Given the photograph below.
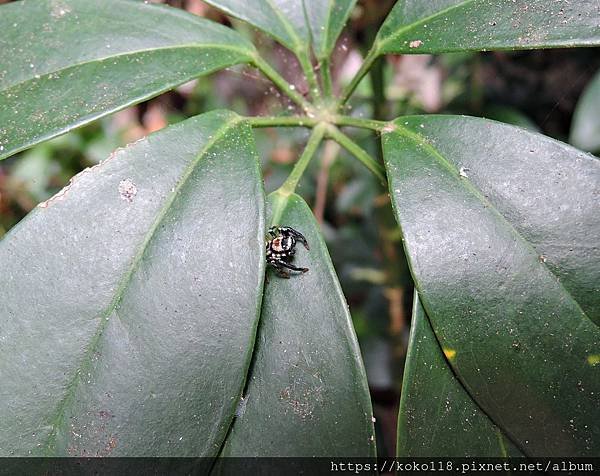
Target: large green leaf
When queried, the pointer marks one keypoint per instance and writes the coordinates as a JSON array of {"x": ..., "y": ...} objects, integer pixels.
[
  {"x": 585, "y": 130},
  {"x": 307, "y": 391},
  {"x": 294, "y": 23},
  {"x": 502, "y": 230},
  {"x": 64, "y": 63},
  {"x": 437, "y": 417},
  {"x": 130, "y": 299},
  {"x": 415, "y": 26}
]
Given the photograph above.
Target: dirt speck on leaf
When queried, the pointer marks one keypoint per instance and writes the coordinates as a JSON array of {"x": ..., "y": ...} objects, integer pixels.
[
  {"x": 127, "y": 190},
  {"x": 59, "y": 9},
  {"x": 111, "y": 444},
  {"x": 391, "y": 127},
  {"x": 302, "y": 400}
]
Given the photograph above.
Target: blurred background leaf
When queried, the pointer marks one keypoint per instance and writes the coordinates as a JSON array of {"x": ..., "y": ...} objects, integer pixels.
[
  {"x": 535, "y": 88},
  {"x": 585, "y": 131}
]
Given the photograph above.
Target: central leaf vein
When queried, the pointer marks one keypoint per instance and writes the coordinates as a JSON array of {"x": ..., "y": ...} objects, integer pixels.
[{"x": 104, "y": 316}]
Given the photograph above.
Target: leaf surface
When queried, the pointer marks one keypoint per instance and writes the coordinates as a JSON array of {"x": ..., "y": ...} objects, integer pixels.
[
  {"x": 326, "y": 20},
  {"x": 307, "y": 392},
  {"x": 432, "y": 393},
  {"x": 415, "y": 26},
  {"x": 64, "y": 63},
  {"x": 294, "y": 23},
  {"x": 585, "y": 130},
  {"x": 502, "y": 231},
  {"x": 130, "y": 299}
]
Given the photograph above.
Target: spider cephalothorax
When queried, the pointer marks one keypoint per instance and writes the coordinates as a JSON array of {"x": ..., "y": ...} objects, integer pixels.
[{"x": 281, "y": 248}]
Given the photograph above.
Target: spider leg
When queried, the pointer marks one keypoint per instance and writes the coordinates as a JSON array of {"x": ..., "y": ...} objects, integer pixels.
[
  {"x": 279, "y": 270},
  {"x": 292, "y": 267},
  {"x": 300, "y": 237}
]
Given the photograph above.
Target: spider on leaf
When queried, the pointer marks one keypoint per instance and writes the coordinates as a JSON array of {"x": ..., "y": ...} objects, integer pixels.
[{"x": 281, "y": 248}]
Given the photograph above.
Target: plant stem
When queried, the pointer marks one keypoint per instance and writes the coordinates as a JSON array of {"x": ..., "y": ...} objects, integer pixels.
[
  {"x": 364, "y": 69},
  {"x": 282, "y": 121},
  {"x": 289, "y": 186},
  {"x": 361, "y": 123},
  {"x": 378, "y": 87},
  {"x": 330, "y": 153},
  {"x": 281, "y": 83},
  {"x": 326, "y": 76},
  {"x": 309, "y": 122},
  {"x": 309, "y": 72},
  {"x": 277, "y": 208},
  {"x": 358, "y": 152}
]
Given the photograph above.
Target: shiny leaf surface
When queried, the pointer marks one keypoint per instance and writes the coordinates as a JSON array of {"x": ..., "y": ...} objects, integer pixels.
[
  {"x": 432, "y": 393},
  {"x": 130, "y": 299},
  {"x": 415, "y": 26},
  {"x": 502, "y": 231},
  {"x": 65, "y": 63},
  {"x": 307, "y": 391}
]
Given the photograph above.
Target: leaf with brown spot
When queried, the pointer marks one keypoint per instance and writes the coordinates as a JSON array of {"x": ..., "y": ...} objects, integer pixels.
[
  {"x": 115, "y": 322},
  {"x": 417, "y": 26}
]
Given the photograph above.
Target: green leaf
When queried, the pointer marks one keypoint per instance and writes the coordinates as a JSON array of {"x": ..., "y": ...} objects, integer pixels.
[
  {"x": 502, "y": 231},
  {"x": 326, "y": 20},
  {"x": 415, "y": 26},
  {"x": 65, "y": 63},
  {"x": 294, "y": 23},
  {"x": 585, "y": 130},
  {"x": 307, "y": 392},
  {"x": 130, "y": 300},
  {"x": 282, "y": 19},
  {"x": 437, "y": 417}
]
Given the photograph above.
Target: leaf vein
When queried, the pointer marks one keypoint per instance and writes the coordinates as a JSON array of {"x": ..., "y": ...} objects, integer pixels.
[
  {"x": 18, "y": 84},
  {"x": 479, "y": 195},
  {"x": 72, "y": 385}
]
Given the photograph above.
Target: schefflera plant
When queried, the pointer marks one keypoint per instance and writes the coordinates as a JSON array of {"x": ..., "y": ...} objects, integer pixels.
[{"x": 135, "y": 318}]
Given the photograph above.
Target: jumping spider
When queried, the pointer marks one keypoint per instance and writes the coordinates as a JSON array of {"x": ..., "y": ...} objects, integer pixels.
[{"x": 281, "y": 248}]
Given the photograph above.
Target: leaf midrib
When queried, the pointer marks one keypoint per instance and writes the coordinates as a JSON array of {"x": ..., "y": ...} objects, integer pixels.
[
  {"x": 414, "y": 136},
  {"x": 123, "y": 285},
  {"x": 287, "y": 26},
  {"x": 419, "y": 307},
  {"x": 243, "y": 52},
  {"x": 310, "y": 47},
  {"x": 501, "y": 431}
]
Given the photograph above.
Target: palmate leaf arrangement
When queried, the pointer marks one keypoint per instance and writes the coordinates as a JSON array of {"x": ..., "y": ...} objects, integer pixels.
[{"x": 135, "y": 319}]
